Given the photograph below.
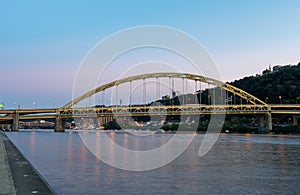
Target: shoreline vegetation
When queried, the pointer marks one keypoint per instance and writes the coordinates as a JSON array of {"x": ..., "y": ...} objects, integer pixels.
[{"x": 241, "y": 129}]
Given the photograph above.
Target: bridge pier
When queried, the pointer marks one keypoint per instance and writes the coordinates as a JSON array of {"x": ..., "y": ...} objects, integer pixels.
[
  {"x": 269, "y": 122},
  {"x": 102, "y": 120},
  {"x": 265, "y": 124},
  {"x": 59, "y": 125},
  {"x": 261, "y": 123},
  {"x": 295, "y": 120},
  {"x": 15, "y": 123}
]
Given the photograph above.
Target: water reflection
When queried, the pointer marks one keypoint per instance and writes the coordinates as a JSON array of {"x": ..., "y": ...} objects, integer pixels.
[
  {"x": 70, "y": 147},
  {"x": 32, "y": 143},
  {"x": 82, "y": 153},
  {"x": 125, "y": 144},
  {"x": 237, "y": 164}
]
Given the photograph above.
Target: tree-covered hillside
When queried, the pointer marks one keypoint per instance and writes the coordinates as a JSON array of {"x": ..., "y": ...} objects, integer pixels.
[{"x": 278, "y": 87}]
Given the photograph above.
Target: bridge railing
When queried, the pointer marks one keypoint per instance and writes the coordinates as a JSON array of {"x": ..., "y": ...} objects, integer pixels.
[{"x": 163, "y": 110}]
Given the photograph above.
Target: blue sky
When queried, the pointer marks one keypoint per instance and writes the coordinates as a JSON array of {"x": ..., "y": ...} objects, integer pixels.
[{"x": 42, "y": 43}]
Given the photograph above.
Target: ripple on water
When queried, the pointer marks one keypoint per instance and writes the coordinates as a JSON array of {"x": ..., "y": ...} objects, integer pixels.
[{"x": 237, "y": 164}]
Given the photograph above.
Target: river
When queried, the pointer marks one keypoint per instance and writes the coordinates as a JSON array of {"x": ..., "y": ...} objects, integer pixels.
[{"x": 237, "y": 164}]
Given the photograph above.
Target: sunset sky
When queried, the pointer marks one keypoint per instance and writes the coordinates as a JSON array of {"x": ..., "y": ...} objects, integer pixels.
[{"x": 42, "y": 43}]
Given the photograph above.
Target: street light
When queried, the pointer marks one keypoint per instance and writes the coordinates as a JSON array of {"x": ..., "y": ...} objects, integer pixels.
[
  {"x": 266, "y": 99},
  {"x": 297, "y": 98},
  {"x": 280, "y": 98},
  {"x": 33, "y": 103}
]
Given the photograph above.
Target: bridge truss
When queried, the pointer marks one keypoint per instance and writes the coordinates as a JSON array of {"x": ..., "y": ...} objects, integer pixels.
[
  {"x": 249, "y": 105},
  {"x": 184, "y": 76}
]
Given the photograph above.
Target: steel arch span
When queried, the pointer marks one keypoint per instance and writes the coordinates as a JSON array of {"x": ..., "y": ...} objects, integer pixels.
[{"x": 236, "y": 91}]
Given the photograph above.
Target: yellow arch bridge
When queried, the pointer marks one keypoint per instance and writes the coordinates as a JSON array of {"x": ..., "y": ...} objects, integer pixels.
[{"x": 219, "y": 100}]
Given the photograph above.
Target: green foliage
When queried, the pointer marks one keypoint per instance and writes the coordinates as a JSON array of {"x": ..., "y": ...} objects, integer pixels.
[
  {"x": 112, "y": 125},
  {"x": 284, "y": 83},
  {"x": 287, "y": 130},
  {"x": 172, "y": 127}
]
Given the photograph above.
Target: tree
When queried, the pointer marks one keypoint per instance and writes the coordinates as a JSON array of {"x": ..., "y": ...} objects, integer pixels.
[
  {"x": 284, "y": 83},
  {"x": 112, "y": 125}
]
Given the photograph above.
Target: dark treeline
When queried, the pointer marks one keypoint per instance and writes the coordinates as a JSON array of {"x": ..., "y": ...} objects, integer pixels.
[
  {"x": 274, "y": 88},
  {"x": 280, "y": 87}
]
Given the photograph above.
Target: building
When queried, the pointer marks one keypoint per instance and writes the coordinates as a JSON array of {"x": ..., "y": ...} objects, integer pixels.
[
  {"x": 280, "y": 67},
  {"x": 267, "y": 71},
  {"x": 276, "y": 68}
]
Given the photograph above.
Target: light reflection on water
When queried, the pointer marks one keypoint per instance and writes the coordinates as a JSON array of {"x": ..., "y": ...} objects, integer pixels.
[{"x": 237, "y": 164}]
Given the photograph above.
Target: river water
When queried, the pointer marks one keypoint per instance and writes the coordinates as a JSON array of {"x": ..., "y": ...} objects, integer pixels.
[{"x": 237, "y": 164}]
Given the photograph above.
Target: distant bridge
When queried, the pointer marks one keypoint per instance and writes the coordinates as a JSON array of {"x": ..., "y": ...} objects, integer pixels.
[{"x": 217, "y": 103}]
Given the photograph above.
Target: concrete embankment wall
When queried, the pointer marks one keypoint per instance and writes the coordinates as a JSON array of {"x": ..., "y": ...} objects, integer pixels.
[{"x": 20, "y": 177}]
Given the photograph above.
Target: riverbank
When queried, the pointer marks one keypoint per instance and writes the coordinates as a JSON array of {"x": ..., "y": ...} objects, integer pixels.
[{"x": 17, "y": 175}]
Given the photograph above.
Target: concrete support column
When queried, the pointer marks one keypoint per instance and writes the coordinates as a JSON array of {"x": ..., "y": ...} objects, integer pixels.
[
  {"x": 295, "y": 120},
  {"x": 261, "y": 123},
  {"x": 101, "y": 121},
  {"x": 59, "y": 125},
  {"x": 15, "y": 124},
  {"x": 269, "y": 122}
]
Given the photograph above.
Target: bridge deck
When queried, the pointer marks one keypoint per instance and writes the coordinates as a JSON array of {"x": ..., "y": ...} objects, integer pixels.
[{"x": 142, "y": 110}]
